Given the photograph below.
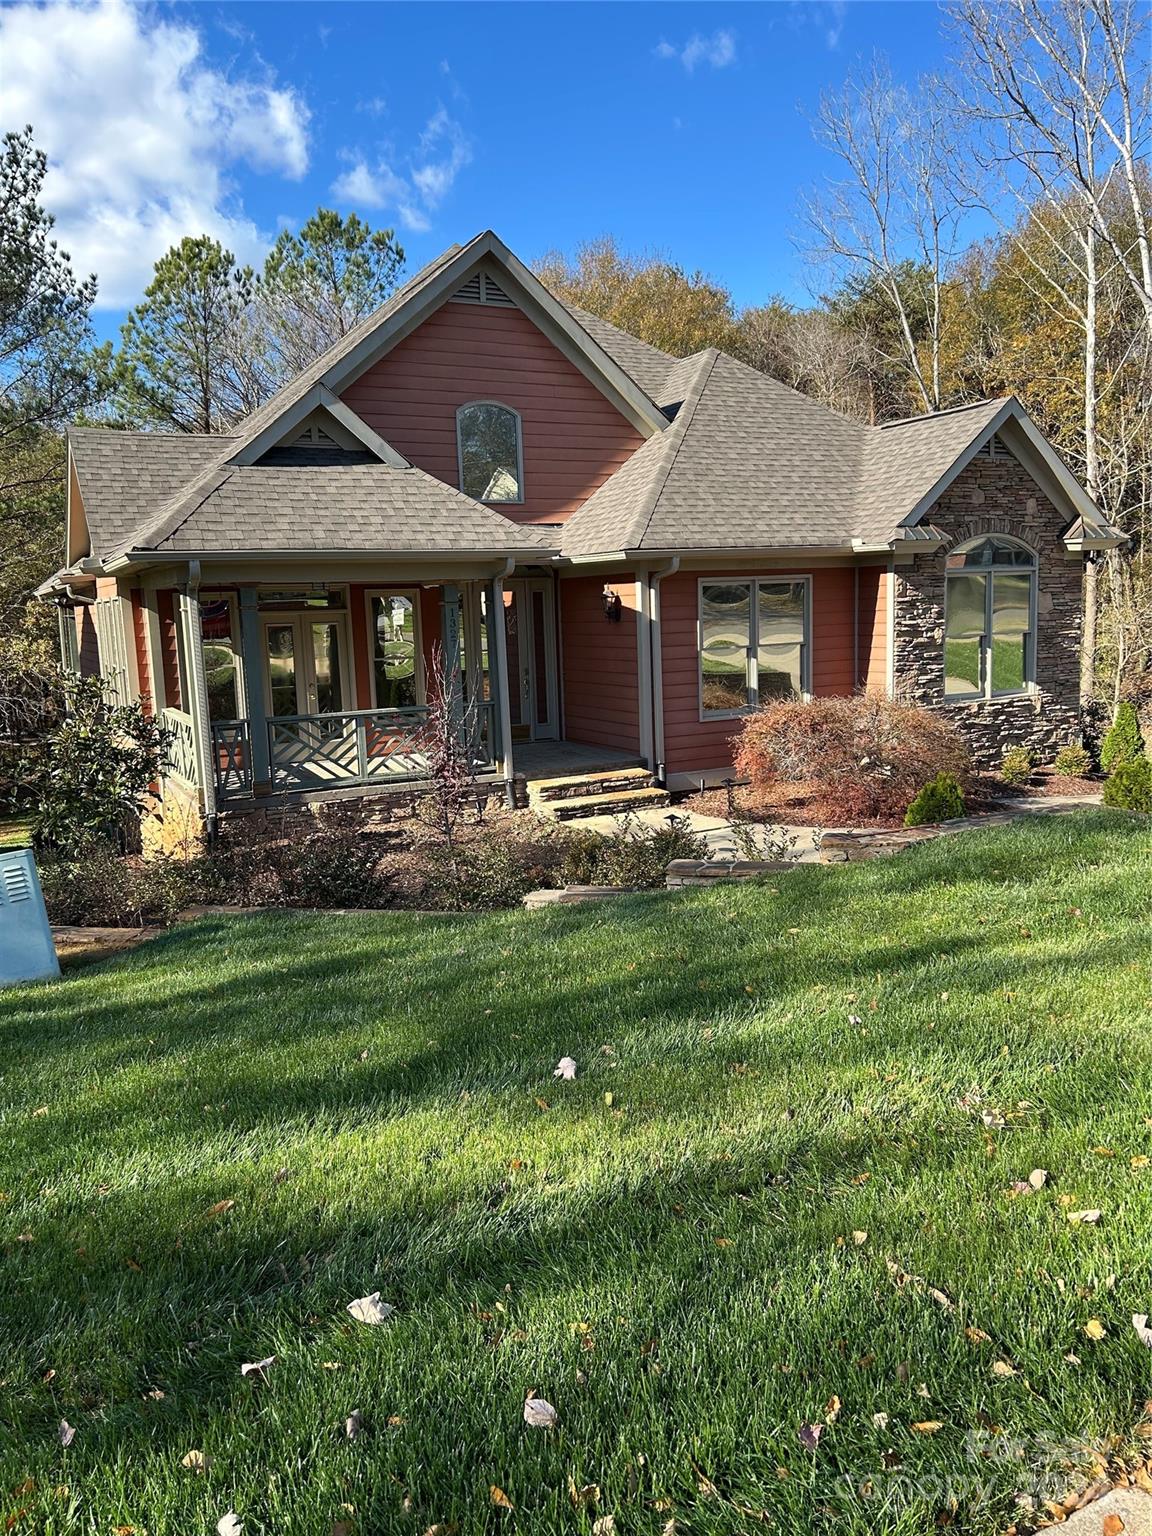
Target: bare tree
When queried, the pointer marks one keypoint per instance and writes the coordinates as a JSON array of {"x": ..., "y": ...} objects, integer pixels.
[
  {"x": 895, "y": 217},
  {"x": 1065, "y": 87},
  {"x": 809, "y": 350}
]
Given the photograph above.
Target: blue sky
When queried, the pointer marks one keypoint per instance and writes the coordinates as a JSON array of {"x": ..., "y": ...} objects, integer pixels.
[{"x": 683, "y": 128}]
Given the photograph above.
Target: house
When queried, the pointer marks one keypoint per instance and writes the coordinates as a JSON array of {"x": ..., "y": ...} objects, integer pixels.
[{"x": 612, "y": 554}]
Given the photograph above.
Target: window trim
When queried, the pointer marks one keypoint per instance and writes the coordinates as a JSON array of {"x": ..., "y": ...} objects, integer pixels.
[
  {"x": 744, "y": 580},
  {"x": 986, "y": 692},
  {"x": 516, "y": 501},
  {"x": 418, "y": 637}
]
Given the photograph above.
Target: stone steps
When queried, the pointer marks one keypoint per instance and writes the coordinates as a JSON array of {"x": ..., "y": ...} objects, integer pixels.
[
  {"x": 618, "y": 803},
  {"x": 607, "y": 781}
]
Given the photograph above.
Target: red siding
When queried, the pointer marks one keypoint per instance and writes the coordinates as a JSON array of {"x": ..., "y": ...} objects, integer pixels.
[
  {"x": 139, "y": 624},
  {"x": 169, "y": 666},
  {"x": 873, "y": 629},
  {"x": 573, "y": 438},
  {"x": 598, "y": 663},
  {"x": 692, "y": 744}
]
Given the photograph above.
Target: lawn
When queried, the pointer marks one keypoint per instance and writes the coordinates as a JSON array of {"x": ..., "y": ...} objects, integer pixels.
[{"x": 759, "y": 1207}]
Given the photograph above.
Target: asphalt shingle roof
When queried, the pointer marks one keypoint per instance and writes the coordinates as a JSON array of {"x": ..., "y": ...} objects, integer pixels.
[
  {"x": 125, "y": 476},
  {"x": 363, "y": 507}
]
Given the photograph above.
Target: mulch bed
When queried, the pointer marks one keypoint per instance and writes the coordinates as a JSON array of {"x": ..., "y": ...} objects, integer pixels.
[{"x": 801, "y": 805}]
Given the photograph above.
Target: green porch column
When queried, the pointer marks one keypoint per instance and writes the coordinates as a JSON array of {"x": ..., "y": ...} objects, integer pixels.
[
  {"x": 255, "y": 703},
  {"x": 498, "y": 687},
  {"x": 452, "y": 680}
]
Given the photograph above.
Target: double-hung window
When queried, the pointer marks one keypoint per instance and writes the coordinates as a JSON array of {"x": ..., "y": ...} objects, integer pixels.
[
  {"x": 989, "y": 619},
  {"x": 753, "y": 644}
]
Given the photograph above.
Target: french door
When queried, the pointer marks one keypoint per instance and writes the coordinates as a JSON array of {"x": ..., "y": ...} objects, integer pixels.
[
  {"x": 306, "y": 668},
  {"x": 530, "y": 632}
]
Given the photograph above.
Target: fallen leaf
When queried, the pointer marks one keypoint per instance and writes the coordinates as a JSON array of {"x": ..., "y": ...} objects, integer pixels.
[
  {"x": 341, "y": 1528},
  {"x": 879, "y": 1421},
  {"x": 43, "y": 1110},
  {"x": 543, "y": 1104},
  {"x": 1141, "y": 1160},
  {"x": 609, "y": 1099},
  {"x": 1002, "y": 1368},
  {"x": 281, "y": 1175},
  {"x": 859, "y": 1238},
  {"x": 565, "y": 1068},
  {"x": 370, "y": 1309},
  {"x": 1038, "y": 1178},
  {"x": 1143, "y": 1332},
  {"x": 66, "y": 1433},
  {"x": 977, "y": 1336},
  {"x": 196, "y": 1461},
  {"x": 1095, "y": 1329},
  {"x": 1113, "y": 1526},
  {"x": 810, "y": 1435},
  {"x": 353, "y": 1424},
  {"x": 500, "y": 1499},
  {"x": 927, "y": 1426},
  {"x": 832, "y": 1409},
  {"x": 258, "y": 1367},
  {"x": 220, "y": 1207},
  {"x": 581, "y": 1497},
  {"x": 1086, "y": 1218},
  {"x": 229, "y": 1525},
  {"x": 605, "y": 1526},
  {"x": 540, "y": 1414}
]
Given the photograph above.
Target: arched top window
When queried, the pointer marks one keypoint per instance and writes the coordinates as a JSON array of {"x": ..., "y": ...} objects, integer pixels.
[
  {"x": 490, "y": 449},
  {"x": 990, "y": 619}
]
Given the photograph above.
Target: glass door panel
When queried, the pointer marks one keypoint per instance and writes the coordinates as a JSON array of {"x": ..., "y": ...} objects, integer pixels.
[
  {"x": 327, "y": 672},
  {"x": 283, "y": 673},
  {"x": 513, "y": 628}
]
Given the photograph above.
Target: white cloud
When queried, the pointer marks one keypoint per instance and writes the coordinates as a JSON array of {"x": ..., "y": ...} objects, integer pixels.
[
  {"x": 719, "y": 50},
  {"x": 425, "y": 177},
  {"x": 140, "y": 133},
  {"x": 826, "y": 16}
]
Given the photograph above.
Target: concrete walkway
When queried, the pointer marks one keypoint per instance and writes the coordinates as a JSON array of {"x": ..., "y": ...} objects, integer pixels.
[{"x": 1124, "y": 1510}]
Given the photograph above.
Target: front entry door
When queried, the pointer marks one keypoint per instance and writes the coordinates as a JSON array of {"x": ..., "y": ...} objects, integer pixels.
[
  {"x": 530, "y": 630},
  {"x": 305, "y": 664}
]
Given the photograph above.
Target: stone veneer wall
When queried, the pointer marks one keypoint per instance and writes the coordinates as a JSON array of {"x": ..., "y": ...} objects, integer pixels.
[{"x": 996, "y": 496}]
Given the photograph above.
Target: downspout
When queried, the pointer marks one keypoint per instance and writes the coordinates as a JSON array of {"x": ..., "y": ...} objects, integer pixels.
[
  {"x": 654, "y": 579},
  {"x": 499, "y": 639}
]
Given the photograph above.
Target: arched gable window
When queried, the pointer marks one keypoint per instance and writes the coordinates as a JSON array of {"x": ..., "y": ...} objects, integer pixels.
[
  {"x": 490, "y": 448},
  {"x": 989, "y": 619}
]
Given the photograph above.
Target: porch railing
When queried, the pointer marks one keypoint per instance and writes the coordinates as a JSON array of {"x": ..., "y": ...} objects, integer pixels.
[
  {"x": 342, "y": 749},
  {"x": 181, "y": 746}
]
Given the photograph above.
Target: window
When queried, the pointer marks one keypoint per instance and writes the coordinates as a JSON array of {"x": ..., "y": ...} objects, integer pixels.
[
  {"x": 491, "y": 459},
  {"x": 221, "y": 655},
  {"x": 394, "y": 626},
  {"x": 753, "y": 644},
  {"x": 989, "y": 602}
]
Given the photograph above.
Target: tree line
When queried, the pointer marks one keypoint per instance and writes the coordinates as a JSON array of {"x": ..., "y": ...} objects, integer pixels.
[{"x": 1037, "y": 139}]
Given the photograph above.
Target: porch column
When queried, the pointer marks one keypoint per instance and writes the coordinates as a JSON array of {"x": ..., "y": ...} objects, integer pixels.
[
  {"x": 255, "y": 703},
  {"x": 191, "y": 635},
  {"x": 498, "y": 684},
  {"x": 452, "y": 682}
]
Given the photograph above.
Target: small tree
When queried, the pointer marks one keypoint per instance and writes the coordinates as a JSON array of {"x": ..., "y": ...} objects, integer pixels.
[
  {"x": 89, "y": 774},
  {"x": 1123, "y": 742},
  {"x": 447, "y": 738}
]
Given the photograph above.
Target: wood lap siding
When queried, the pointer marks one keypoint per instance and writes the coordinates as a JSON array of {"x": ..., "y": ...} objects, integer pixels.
[
  {"x": 873, "y": 630},
  {"x": 140, "y": 641},
  {"x": 573, "y": 438},
  {"x": 601, "y": 694},
  {"x": 692, "y": 744}
]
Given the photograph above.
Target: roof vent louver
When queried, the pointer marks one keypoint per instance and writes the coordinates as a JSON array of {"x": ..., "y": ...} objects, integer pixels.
[
  {"x": 993, "y": 449},
  {"x": 314, "y": 434},
  {"x": 482, "y": 289}
]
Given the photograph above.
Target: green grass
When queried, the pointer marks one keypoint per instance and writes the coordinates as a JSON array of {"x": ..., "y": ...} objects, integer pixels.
[
  {"x": 15, "y": 834},
  {"x": 674, "y": 1270}
]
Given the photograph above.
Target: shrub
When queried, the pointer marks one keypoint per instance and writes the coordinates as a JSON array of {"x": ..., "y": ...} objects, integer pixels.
[
  {"x": 91, "y": 771},
  {"x": 1073, "y": 762},
  {"x": 332, "y": 867},
  {"x": 866, "y": 756},
  {"x": 941, "y": 799},
  {"x": 636, "y": 857},
  {"x": 1016, "y": 766},
  {"x": 99, "y": 888},
  {"x": 1129, "y": 786},
  {"x": 1123, "y": 742}
]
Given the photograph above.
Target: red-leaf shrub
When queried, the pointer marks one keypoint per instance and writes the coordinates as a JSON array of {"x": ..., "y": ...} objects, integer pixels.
[{"x": 865, "y": 756}]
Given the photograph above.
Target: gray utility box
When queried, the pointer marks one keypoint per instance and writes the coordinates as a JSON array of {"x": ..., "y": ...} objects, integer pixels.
[{"x": 26, "y": 949}]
